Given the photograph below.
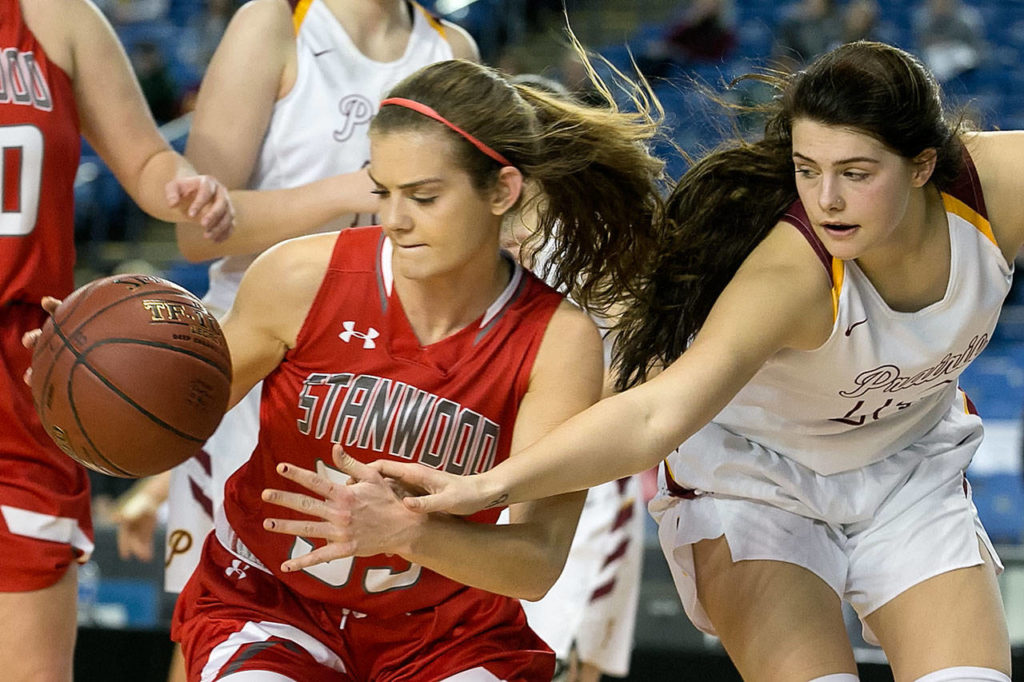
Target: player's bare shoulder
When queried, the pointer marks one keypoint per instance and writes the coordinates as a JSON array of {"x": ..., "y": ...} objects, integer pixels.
[
  {"x": 570, "y": 333},
  {"x": 785, "y": 275},
  {"x": 59, "y": 24},
  {"x": 287, "y": 276},
  {"x": 462, "y": 44},
  {"x": 270, "y": 20},
  {"x": 999, "y": 159},
  {"x": 275, "y": 15}
]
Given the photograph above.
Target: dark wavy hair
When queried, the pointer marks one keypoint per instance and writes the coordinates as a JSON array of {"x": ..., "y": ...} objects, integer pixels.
[
  {"x": 726, "y": 202},
  {"x": 602, "y": 188}
]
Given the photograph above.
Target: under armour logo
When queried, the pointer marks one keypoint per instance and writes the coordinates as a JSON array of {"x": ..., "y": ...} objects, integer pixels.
[
  {"x": 350, "y": 332},
  {"x": 236, "y": 569}
]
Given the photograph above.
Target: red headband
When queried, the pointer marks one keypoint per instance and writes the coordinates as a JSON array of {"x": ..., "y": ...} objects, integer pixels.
[{"x": 427, "y": 111}]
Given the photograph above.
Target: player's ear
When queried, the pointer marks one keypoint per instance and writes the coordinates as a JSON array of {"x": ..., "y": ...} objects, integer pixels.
[
  {"x": 924, "y": 166},
  {"x": 507, "y": 190}
]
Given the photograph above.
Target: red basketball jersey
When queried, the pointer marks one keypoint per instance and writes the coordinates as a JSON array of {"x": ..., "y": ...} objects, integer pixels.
[
  {"x": 358, "y": 376},
  {"x": 39, "y": 151}
]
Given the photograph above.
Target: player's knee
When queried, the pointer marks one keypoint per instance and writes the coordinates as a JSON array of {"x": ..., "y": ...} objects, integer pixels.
[{"x": 965, "y": 674}]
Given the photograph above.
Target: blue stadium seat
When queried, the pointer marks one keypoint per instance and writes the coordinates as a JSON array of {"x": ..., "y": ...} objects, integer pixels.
[
  {"x": 193, "y": 276},
  {"x": 999, "y": 498}
]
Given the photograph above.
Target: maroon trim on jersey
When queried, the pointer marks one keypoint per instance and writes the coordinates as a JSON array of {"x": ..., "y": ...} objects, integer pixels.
[
  {"x": 203, "y": 457},
  {"x": 796, "y": 216},
  {"x": 971, "y": 408},
  {"x": 200, "y": 496},
  {"x": 967, "y": 187},
  {"x": 624, "y": 515},
  {"x": 617, "y": 553},
  {"x": 676, "y": 490}
]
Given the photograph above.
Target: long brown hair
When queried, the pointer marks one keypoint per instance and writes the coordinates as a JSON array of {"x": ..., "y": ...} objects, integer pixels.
[
  {"x": 601, "y": 186},
  {"x": 726, "y": 203}
]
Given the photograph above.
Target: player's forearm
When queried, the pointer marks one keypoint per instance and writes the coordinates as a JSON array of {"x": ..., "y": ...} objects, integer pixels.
[
  {"x": 617, "y": 437},
  {"x": 515, "y": 560},
  {"x": 148, "y": 187},
  {"x": 265, "y": 217}
]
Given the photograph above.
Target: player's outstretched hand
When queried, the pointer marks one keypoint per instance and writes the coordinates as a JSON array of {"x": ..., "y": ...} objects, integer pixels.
[
  {"x": 31, "y": 337},
  {"x": 435, "y": 491},
  {"x": 136, "y": 520},
  {"x": 357, "y": 512},
  {"x": 209, "y": 204}
]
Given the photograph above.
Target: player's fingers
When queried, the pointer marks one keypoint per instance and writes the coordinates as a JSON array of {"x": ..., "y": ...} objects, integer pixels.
[
  {"x": 30, "y": 338},
  {"x": 300, "y": 503},
  {"x": 321, "y": 555},
  {"x": 205, "y": 193},
  {"x": 220, "y": 229},
  {"x": 172, "y": 192},
  {"x": 306, "y": 529},
  {"x": 425, "y": 504},
  {"x": 27, "y": 377},
  {"x": 213, "y": 211},
  {"x": 353, "y": 467},
  {"x": 308, "y": 479},
  {"x": 141, "y": 546},
  {"x": 413, "y": 476},
  {"x": 50, "y": 304},
  {"x": 123, "y": 551}
]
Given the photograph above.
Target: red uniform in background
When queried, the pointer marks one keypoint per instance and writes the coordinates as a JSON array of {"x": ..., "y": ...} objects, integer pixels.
[
  {"x": 358, "y": 376},
  {"x": 44, "y": 495}
]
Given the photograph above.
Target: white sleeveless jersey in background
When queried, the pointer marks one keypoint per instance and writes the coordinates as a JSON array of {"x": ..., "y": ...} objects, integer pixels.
[
  {"x": 319, "y": 128},
  {"x": 884, "y": 378}
]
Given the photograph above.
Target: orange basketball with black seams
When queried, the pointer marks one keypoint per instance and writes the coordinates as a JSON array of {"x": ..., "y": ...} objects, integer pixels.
[{"x": 131, "y": 375}]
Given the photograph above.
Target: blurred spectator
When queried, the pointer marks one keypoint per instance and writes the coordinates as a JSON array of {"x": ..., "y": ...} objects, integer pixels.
[
  {"x": 703, "y": 31},
  {"x": 204, "y": 31},
  {"x": 122, "y": 12},
  {"x": 494, "y": 24},
  {"x": 806, "y": 30},
  {"x": 157, "y": 87},
  {"x": 861, "y": 22},
  {"x": 949, "y": 37},
  {"x": 572, "y": 73}
]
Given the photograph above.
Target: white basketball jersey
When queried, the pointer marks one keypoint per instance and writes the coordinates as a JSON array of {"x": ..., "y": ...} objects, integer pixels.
[
  {"x": 319, "y": 128},
  {"x": 884, "y": 378}
]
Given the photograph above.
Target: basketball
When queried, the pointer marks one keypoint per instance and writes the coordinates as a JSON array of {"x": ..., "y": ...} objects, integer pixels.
[{"x": 131, "y": 375}]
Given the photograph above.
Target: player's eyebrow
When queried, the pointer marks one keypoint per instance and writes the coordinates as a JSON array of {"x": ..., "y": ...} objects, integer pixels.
[
  {"x": 406, "y": 185},
  {"x": 840, "y": 162}
]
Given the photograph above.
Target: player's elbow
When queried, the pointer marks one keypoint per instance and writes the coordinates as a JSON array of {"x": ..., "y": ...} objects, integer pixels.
[
  {"x": 536, "y": 593},
  {"x": 540, "y": 579}
]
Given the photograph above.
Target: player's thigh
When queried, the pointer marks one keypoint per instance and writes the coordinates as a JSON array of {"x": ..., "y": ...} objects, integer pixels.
[
  {"x": 953, "y": 619},
  {"x": 777, "y": 621},
  {"x": 37, "y": 641}
]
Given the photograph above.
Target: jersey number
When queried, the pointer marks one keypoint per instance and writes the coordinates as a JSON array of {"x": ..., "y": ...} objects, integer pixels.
[
  {"x": 338, "y": 573},
  {"x": 21, "y": 174}
]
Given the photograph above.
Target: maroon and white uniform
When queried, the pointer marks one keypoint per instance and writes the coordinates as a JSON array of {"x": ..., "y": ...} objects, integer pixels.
[
  {"x": 44, "y": 495},
  {"x": 358, "y": 376}
]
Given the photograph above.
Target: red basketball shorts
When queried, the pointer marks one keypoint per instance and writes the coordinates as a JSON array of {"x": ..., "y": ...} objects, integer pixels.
[
  {"x": 44, "y": 495},
  {"x": 232, "y": 617}
]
